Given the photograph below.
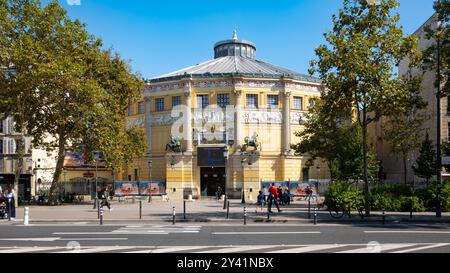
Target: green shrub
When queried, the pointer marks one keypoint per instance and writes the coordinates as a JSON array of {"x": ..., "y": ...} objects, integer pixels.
[
  {"x": 411, "y": 203},
  {"x": 428, "y": 195},
  {"x": 394, "y": 197},
  {"x": 342, "y": 193}
]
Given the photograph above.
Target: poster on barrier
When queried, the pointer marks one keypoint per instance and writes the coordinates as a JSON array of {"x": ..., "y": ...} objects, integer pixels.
[
  {"x": 155, "y": 188},
  {"x": 298, "y": 188},
  {"x": 283, "y": 184},
  {"x": 129, "y": 188}
]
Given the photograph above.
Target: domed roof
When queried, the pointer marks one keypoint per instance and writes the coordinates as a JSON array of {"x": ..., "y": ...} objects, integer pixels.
[{"x": 234, "y": 57}]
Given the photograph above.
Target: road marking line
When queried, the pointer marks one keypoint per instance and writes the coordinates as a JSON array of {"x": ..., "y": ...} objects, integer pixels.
[
  {"x": 177, "y": 249},
  {"x": 408, "y": 231},
  {"x": 420, "y": 248},
  {"x": 383, "y": 248},
  {"x": 266, "y": 233},
  {"x": 92, "y": 239},
  {"x": 50, "y": 239},
  {"x": 82, "y": 233},
  {"x": 27, "y": 249},
  {"x": 97, "y": 249},
  {"x": 307, "y": 249},
  {"x": 235, "y": 249}
]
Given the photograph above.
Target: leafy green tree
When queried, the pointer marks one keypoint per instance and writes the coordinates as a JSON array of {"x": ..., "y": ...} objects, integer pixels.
[
  {"x": 337, "y": 141},
  {"x": 425, "y": 166},
  {"x": 65, "y": 89},
  {"x": 357, "y": 65},
  {"x": 403, "y": 129},
  {"x": 442, "y": 34}
]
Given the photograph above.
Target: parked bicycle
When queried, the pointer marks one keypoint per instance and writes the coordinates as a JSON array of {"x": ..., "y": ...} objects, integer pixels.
[{"x": 338, "y": 211}]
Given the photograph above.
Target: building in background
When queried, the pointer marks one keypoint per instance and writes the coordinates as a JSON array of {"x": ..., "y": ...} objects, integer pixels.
[
  {"x": 270, "y": 104},
  {"x": 9, "y": 159},
  {"x": 393, "y": 165}
]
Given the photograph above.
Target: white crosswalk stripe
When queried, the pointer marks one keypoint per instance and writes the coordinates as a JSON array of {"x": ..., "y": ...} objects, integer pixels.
[{"x": 329, "y": 248}]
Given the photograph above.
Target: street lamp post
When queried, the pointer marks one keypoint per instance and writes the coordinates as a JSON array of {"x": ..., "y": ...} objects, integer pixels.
[
  {"x": 225, "y": 156},
  {"x": 150, "y": 181},
  {"x": 438, "y": 129}
]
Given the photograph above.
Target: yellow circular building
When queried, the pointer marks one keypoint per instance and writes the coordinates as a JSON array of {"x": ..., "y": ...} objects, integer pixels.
[{"x": 228, "y": 122}]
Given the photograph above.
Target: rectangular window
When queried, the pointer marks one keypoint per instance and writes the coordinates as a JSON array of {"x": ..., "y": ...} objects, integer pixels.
[
  {"x": 176, "y": 101},
  {"x": 202, "y": 101},
  {"x": 272, "y": 101},
  {"x": 141, "y": 108},
  {"x": 448, "y": 133},
  {"x": 1, "y": 146},
  {"x": 252, "y": 101},
  {"x": 1, "y": 126},
  {"x": 131, "y": 110},
  {"x": 305, "y": 173},
  {"x": 223, "y": 100},
  {"x": 159, "y": 105},
  {"x": 448, "y": 106},
  {"x": 312, "y": 103},
  {"x": 298, "y": 103}
]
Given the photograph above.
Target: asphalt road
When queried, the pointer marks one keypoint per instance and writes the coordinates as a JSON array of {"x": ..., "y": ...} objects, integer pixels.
[{"x": 225, "y": 238}]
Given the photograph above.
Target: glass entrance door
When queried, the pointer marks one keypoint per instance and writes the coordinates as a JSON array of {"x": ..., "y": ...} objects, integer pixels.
[{"x": 212, "y": 180}]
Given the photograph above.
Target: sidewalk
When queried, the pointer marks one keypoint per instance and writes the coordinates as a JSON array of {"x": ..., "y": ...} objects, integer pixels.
[{"x": 206, "y": 211}]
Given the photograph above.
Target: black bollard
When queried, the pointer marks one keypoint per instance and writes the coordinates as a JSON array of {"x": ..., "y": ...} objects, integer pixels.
[
  {"x": 228, "y": 209},
  {"x": 150, "y": 197},
  {"x": 98, "y": 209},
  {"x": 383, "y": 217},
  {"x": 411, "y": 214},
  {"x": 184, "y": 209},
  {"x": 315, "y": 216},
  {"x": 101, "y": 215},
  {"x": 95, "y": 203},
  {"x": 245, "y": 216},
  {"x": 173, "y": 216},
  {"x": 309, "y": 208},
  {"x": 9, "y": 209},
  {"x": 140, "y": 209}
]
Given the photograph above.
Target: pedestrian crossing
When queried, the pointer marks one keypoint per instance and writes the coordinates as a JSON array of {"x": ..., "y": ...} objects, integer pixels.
[
  {"x": 268, "y": 249},
  {"x": 141, "y": 230}
]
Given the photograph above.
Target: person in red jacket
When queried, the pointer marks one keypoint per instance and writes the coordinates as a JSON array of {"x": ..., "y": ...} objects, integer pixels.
[{"x": 273, "y": 197}]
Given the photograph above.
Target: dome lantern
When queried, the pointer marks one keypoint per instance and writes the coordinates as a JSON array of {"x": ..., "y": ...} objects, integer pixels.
[{"x": 235, "y": 47}]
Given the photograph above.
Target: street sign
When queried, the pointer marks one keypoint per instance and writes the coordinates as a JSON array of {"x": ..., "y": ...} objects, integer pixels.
[{"x": 446, "y": 160}]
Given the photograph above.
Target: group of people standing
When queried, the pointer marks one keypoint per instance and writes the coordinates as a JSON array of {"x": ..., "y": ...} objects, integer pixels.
[
  {"x": 273, "y": 196},
  {"x": 7, "y": 201}
]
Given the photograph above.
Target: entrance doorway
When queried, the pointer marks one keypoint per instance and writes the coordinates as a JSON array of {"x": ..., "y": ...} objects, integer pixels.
[{"x": 211, "y": 179}]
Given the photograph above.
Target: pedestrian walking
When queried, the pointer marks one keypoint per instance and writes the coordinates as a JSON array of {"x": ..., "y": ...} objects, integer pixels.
[
  {"x": 273, "y": 198},
  {"x": 260, "y": 201},
  {"x": 266, "y": 195},
  {"x": 10, "y": 196},
  {"x": 280, "y": 193},
  {"x": 286, "y": 197},
  {"x": 105, "y": 198}
]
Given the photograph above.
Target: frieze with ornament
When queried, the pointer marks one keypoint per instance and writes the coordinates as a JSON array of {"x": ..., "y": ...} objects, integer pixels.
[
  {"x": 298, "y": 118},
  {"x": 262, "y": 117}
]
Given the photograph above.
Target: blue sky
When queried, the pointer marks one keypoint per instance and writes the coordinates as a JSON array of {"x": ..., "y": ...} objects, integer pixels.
[{"x": 158, "y": 37}]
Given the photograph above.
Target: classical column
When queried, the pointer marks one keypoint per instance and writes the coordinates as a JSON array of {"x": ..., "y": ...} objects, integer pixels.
[
  {"x": 286, "y": 148},
  {"x": 238, "y": 121},
  {"x": 148, "y": 125},
  {"x": 188, "y": 125}
]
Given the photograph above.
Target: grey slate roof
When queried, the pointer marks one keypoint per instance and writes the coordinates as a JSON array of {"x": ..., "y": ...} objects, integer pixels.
[{"x": 234, "y": 65}]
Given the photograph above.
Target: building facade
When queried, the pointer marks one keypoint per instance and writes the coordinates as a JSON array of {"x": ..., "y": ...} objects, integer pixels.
[
  {"x": 218, "y": 110},
  {"x": 393, "y": 165},
  {"x": 9, "y": 159}
]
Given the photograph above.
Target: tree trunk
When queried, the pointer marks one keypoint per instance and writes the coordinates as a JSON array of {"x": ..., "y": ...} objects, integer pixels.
[
  {"x": 405, "y": 169},
  {"x": 59, "y": 166},
  {"x": 18, "y": 169},
  {"x": 366, "y": 177}
]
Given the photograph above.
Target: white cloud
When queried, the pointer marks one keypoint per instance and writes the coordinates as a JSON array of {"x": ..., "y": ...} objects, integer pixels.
[{"x": 74, "y": 2}]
